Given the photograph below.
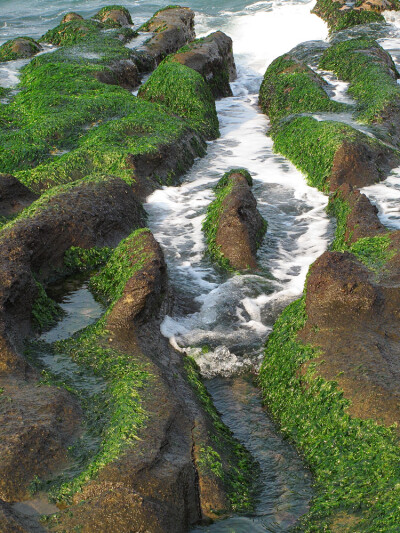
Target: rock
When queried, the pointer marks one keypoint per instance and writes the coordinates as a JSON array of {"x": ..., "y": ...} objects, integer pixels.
[
  {"x": 19, "y": 48},
  {"x": 124, "y": 73},
  {"x": 36, "y": 426},
  {"x": 144, "y": 291},
  {"x": 339, "y": 290},
  {"x": 9, "y": 522},
  {"x": 173, "y": 28},
  {"x": 362, "y": 220},
  {"x": 212, "y": 57},
  {"x": 14, "y": 196},
  {"x": 360, "y": 163},
  {"x": 238, "y": 226},
  {"x": 114, "y": 14},
  {"x": 71, "y": 16}
]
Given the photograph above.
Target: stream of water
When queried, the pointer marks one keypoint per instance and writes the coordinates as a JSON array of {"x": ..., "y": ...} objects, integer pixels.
[{"x": 224, "y": 322}]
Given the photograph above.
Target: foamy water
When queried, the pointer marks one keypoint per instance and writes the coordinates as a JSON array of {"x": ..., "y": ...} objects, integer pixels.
[{"x": 235, "y": 315}]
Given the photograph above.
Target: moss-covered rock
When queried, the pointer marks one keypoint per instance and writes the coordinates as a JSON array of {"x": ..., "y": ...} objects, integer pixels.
[
  {"x": 212, "y": 57},
  {"x": 71, "y": 16},
  {"x": 184, "y": 92},
  {"x": 14, "y": 196},
  {"x": 173, "y": 27},
  {"x": 19, "y": 48},
  {"x": 233, "y": 226},
  {"x": 114, "y": 15},
  {"x": 290, "y": 86},
  {"x": 338, "y": 16},
  {"x": 372, "y": 76},
  {"x": 332, "y": 153}
]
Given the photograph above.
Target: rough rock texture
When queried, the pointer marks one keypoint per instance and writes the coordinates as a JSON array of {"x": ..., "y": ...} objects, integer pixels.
[
  {"x": 14, "y": 196},
  {"x": 355, "y": 321},
  {"x": 172, "y": 28},
  {"x": 144, "y": 291},
  {"x": 36, "y": 425},
  {"x": 124, "y": 73},
  {"x": 9, "y": 523},
  {"x": 158, "y": 484},
  {"x": 119, "y": 16},
  {"x": 360, "y": 164},
  {"x": 240, "y": 225},
  {"x": 19, "y": 48},
  {"x": 71, "y": 16},
  {"x": 212, "y": 57},
  {"x": 92, "y": 213},
  {"x": 362, "y": 220},
  {"x": 35, "y": 429}
]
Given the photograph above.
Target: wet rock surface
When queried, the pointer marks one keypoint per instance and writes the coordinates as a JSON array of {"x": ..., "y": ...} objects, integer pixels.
[
  {"x": 172, "y": 28},
  {"x": 240, "y": 225},
  {"x": 212, "y": 57},
  {"x": 19, "y": 48}
]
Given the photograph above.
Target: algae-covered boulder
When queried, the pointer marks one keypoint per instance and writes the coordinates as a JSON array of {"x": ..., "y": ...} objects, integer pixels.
[
  {"x": 173, "y": 27},
  {"x": 118, "y": 15},
  {"x": 290, "y": 86},
  {"x": 332, "y": 153},
  {"x": 233, "y": 226},
  {"x": 19, "y": 48},
  {"x": 71, "y": 16},
  {"x": 184, "y": 92},
  {"x": 340, "y": 16},
  {"x": 212, "y": 57}
]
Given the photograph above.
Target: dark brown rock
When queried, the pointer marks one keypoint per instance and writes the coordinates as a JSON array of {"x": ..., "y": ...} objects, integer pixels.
[
  {"x": 119, "y": 16},
  {"x": 9, "y": 522},
  {"x": 354, "y": 319},
  {"x": 36, "y": 426},
  {"x": 359, "y": 164},
  {"x": 212, "y": 57},
  {"x": 14, "y": 196},
  {"x": 24, "y": 48},
  {"x": 240, "y": 225},
  {"x": 71, "y": 16},
  {"x": 172, "y": 28},
  {"x": 144, "y": 291},
  {"x": 362, "y": 220},
  {"x": 124, "y": 73}
]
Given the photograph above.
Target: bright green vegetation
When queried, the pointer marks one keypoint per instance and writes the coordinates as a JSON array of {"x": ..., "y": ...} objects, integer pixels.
[
  {"x": 105, "y": 10},
  {"x": 8, "y": 54},
  {"x": 110, "y": 384},
  {"x": 45, "y": 311},
  {"x": 63, "y": 106},
  {"x": 311, "y": 145},
  {"x": 370, "y": 71},
  {"x": 290, "y": 87},
  {"x": 227, "y": 459},
  {"x": 183, "y": 91},
  {"x": 129, "y": 257},
  {"x": 374, "y": 251},
  {"x": 72, "y": 32},
  {"x": 338, "y": 20},
  {"x": 78, "y": 259},
  {"x": 356, "y": 463}
]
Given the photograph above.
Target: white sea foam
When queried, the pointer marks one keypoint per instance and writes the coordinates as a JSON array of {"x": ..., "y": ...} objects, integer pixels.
[
  {"x": 386, "y": 196},
  {"x": 236, "y": 314}
]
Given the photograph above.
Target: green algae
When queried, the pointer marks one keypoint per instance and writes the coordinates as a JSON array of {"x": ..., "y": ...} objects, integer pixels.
[
  {"x": 78, "y": 259},
  {"x": 356, "y": 463},
  {"x": 330, "y": 12},
  {"x": 104, "y": 10},
  {"x": 45, "y": 311},
  {"x": 183, "y": 91},
  {"x": 128, "y": 257},
  {"x": 7, "y": 53},
  {"x": 226, "y": 458},
  {"x": 290, "y": 87},
  {"x": 372, "y": 80}
]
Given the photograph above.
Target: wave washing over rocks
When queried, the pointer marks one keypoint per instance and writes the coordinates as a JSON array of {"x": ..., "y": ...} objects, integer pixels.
[{"x": 199, "y": 258}]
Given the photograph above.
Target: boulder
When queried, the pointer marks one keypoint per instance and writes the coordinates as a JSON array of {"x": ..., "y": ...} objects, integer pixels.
[
  {"x": 124, "y": 73},
  {"x": 71, "y": 16},
  {"x": 172, "y": 28},
  {"x": 116, "y": 15},
  {"x": 19, "y": 48},
  {"x": 212, "y": 57}
]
